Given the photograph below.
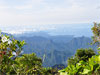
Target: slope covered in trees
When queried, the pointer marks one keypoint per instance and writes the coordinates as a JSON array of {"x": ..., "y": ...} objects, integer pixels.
[{"x": 56, "y": 48}]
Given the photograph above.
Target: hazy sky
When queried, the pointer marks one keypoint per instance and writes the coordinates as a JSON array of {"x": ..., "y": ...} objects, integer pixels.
[{"x": 38, "y": 12}]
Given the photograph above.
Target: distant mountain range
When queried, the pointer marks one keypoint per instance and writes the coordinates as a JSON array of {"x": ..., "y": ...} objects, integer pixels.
[{"x": 55, "y": 49}]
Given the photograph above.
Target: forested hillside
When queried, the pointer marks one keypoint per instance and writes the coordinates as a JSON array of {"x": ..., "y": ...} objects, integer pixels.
[{"x": 56, "y": 49}]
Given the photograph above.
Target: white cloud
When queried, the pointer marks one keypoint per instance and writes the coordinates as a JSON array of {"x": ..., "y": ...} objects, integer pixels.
[
  {"x": 31, "y": 12},
  {"x": 98, "y": 7},
  {"x": 4, "y": 7},
  {"x": 23, "y": 7}
]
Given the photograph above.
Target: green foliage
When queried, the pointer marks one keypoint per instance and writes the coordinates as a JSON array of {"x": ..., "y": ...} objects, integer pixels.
[
  {"x": 81, "y": 54},
  {"x": 84, "y": 54},
  {"x": 13, "y": 63},
  {"x": 72, "y": 60},
  {"x": 96, "y": 35},
  {"x": 28, "y": 64},
  {"x": 9, "y": 47},
  {"x": 87, "y": 63},
  {"x": 91, "y": 67}
]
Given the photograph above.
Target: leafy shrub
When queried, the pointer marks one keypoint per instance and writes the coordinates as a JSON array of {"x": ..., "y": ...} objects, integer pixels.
[
  {"x": 9, "y": 48},
  {"x": 91, "y": 67},
  {"x": 28, "y": 64},
  {"x": 81, "y": 54},
  {"x": 13, "y": 62}
]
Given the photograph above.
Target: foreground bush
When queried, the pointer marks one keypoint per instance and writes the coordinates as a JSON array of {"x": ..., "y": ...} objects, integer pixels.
[
  {"x": 81, "y": 54},
  {"x": 86, "y": 65},
  {"x": 81, "y": 63},
  {"x": 9, "y": 50},
  {"x": 28, "y": 64},
  {"x": 13, "y": 62},
  {"x": 92, "y": 67}
]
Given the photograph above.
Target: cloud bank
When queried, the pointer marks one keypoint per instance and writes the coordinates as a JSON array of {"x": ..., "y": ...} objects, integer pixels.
[{"x": 38, "y": 12}]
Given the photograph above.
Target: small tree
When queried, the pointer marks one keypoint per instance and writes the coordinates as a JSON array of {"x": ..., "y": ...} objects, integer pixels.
[
  {"x": 96, "y": 35},
  {"x": 9, "y": 49},
  {"x": 28, "y": 64},
  {"x": 81, "y": 54}
]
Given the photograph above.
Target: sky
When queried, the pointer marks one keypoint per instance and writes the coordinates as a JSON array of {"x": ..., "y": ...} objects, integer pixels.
[
  {"x": 35, "y": 12},
  {"x": 43, "y": 14}
]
